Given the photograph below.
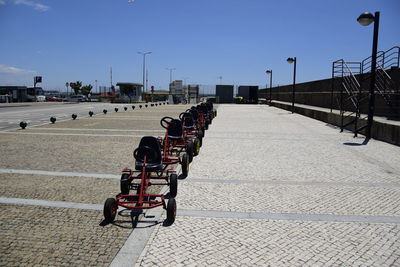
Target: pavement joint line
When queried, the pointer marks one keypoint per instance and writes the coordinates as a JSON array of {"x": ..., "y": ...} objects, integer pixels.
[
  {"x": 287, "y": 182},
  {"x": 289, "y": 216},
  {"x": 92, "y": 129},
  {"x": 133, "y": 247},
  {"x": 72, "y": 134},
  {"x": 67, "y": 174},
  {"x": 129, "y": 118},
  {"x": 207, "y": 214},
  {"x": 50, "y": 203}
]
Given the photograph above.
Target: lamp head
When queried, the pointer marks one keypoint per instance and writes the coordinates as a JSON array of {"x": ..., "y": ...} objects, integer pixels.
[
  {"x": 365, "y": 19},
  {"x": 290, "y": 60},
  {"x": 268, "y": 72}
]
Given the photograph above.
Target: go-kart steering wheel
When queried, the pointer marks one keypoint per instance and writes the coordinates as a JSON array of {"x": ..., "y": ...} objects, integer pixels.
[
  {"x": 165, "y": 122},
  {"x": 145, "y": 151}
]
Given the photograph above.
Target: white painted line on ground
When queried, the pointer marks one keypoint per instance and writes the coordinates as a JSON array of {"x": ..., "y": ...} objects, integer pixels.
[
  {"x": 68, "y": 174},
  {"x": 131, "y": 118},
  {"x": 143, "y": 235},
  {"x": 48, "y": 203},
  {"x": 136, "y": 242},
  {"x": 288, "y": 182},
  {"x": 72, "y": 134},
  {"x": 289, "y": 216},
  {"x": 94, "y": 129}
]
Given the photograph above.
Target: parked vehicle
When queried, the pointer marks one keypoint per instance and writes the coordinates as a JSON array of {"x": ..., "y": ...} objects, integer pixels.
[{"x": 76, "y": 98}]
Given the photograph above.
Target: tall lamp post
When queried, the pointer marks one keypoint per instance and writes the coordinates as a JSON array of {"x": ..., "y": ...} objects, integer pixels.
[
  {"x": 365, "y": 19},
  {"x": 291, "y": 60},
  {"x": 170, "y": 75},
  {"x": 270, "y": 86},
  {"x": 144, "y": 67}
]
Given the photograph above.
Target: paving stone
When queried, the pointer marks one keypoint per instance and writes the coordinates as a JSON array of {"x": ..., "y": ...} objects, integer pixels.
[{"x": 55, "y": 237}]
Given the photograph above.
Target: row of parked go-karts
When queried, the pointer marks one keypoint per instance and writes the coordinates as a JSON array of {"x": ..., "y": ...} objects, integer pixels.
[{"x": 156, "y": 160}]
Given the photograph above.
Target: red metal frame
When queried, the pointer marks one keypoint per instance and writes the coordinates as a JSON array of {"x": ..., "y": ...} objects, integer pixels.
[{"x": 145, "y": 177}]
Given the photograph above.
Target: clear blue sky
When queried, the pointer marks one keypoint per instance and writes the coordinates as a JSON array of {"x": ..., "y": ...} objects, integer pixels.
[{"x": 69, "y": 40}]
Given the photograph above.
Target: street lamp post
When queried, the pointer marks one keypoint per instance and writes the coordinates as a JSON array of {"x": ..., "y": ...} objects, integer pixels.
[
  {"x": 144, "y": 67},
  {"x": 270, "y": 86},
  {"x": 170, "y": 76},
  {"x": 67, "y": 85},
  {"x": 291, "y": 60},
  {"x": 365, "y": 19}
]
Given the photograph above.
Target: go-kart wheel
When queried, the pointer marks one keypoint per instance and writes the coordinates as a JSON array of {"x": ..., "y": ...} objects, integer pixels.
[
  {"x": 206, "y": 125},
  {"x": 171, "y": 210},
  {"x": 173, "y": 185},
  {"x": 125, "y": 184},
  {"x": 190, "y": 150},
  {"x": 110, "y": 209},
  {"x": 197, "y": 146},
  {"x": 165, "y": 122},
  {"x": 215, "y": 113},
  {"x": 200, "y": 134},
  {"x": 203, "y": 129},
  {"x": 185, "y": 164}
]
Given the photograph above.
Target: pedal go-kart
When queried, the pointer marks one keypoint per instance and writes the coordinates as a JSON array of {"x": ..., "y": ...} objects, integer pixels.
[
  {"x": 177, "y": 141},
  {"x": 149, "y": 167}
]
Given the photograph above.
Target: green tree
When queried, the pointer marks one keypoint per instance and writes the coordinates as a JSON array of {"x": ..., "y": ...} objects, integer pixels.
[
  {"x": 76, "y": 86},
  {"x": 86, "y": 89}
]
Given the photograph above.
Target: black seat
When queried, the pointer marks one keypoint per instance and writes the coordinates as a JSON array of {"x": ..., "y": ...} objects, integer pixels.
[
  {"x": 187, "y": 120},
  {"x": 149, "y": 147},
  {"x": 175, "y": 130},
  {"x": 195, "y": 114}
]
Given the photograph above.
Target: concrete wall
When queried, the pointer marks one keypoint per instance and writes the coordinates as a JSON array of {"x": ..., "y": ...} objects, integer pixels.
[{"x": 319, "y": 93}]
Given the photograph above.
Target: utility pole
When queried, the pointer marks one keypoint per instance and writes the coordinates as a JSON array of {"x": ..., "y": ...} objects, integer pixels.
[{"x": 144, "y": 67}]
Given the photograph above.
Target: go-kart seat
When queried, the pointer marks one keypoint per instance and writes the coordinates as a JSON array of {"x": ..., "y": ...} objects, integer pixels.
[
  {"x": 175, "y": 130},
  {"x": 195, "y": 114},
  {"x": 149, "y": 147},
  {"x": 187, "y": 120}
]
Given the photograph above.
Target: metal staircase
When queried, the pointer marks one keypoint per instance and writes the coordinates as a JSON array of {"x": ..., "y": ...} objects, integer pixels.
[{"x": 353, "y": 80}]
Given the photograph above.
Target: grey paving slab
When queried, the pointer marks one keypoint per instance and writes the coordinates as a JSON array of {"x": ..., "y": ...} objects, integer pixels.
[
  {"x": 283, "y": 190},
  {"x": 41, "y": 236},
  {"x": 67, "y": 153},
  {"x": 293, "y": 147},
  {"x": 193, "y": 241},
  {"x": 303, "y": 199},
  {"x": 71, "y": 189}
]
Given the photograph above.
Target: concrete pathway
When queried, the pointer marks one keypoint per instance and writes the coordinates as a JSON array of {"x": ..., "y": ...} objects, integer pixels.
[{"x": 271, "y": 188}]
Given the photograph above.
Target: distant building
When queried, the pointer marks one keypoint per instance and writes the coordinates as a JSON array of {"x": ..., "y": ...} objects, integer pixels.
[
  {"x": 224, "y": 93},
  {"x": 176, "y": 87},
  {"x": 131, "y": 92},
  {"x": 192, "y": 93},
  {"x": 13, "y": 94},
  {"x": 177, "y": 91}
]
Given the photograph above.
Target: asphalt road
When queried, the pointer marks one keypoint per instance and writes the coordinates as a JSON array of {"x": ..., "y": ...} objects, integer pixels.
[{"x": 39, "y": 113}]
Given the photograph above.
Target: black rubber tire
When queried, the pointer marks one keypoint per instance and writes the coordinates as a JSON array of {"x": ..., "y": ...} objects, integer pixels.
[
  {"x": 110, "y": 209},
  {"x": 197, "y": 146},
  {"x": 125, "y": 184},
  {"x": 201, "y": 141},
  {"x": 190, "y": 150},
  {"x": 185, "y": 165},
  {"x": 206, "y": 125},
  {"x": 200, "y": 134},
  {"x": 203, "y": 129},
  {"x": 171, "y": 210},
  {"x": 173, "y": 185}
]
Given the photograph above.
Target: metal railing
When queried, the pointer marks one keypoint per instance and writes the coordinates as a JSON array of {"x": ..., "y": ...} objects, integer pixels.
[{"x": 350, "y": 75}]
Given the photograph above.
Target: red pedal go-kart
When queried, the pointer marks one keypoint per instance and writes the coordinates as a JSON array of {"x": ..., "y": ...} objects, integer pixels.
[
  {"x": 177, "y": 141},
  {"x": 150, "y": 166}
]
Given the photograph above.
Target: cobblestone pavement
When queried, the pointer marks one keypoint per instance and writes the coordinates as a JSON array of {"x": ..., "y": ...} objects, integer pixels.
[
  {"x": 264, "y": 160},
  {"x": 38, "y": 236},
  {"x": 57, "y": 184}
]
